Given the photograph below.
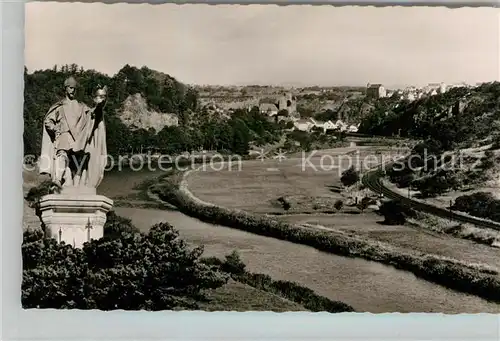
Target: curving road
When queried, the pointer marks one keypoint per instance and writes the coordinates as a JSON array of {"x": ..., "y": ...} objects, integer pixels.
[{"x": 372, "y": 180}]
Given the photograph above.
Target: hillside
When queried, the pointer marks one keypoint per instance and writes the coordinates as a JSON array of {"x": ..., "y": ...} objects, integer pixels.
[
  {"x": 459, "y": 118},
  {"x": 458, "y": 158},
  {"x": 136, "y": 114},
  {"x": 146, "y": 110},
  {"x": 137, "y": 100}
]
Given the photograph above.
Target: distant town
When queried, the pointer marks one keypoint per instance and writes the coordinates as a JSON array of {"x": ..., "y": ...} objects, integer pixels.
[{"x": 284, "y": 104}]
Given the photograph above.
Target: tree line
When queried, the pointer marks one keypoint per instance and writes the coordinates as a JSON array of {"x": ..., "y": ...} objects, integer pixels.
[{"x": 198, "y": 128}]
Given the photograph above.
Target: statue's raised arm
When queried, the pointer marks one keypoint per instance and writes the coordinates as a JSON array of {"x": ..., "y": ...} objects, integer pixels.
[{"x": 100, "y": 98}]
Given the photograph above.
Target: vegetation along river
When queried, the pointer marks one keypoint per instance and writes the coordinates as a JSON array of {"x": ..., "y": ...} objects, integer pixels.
[{"x": 365, "y": 285}]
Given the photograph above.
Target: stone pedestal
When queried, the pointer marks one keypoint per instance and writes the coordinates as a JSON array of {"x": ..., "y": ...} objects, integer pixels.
[{"x": 75, "y": 216}]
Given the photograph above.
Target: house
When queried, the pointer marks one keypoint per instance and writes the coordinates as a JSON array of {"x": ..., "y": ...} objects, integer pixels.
[
  {"x": 271, "y": 106},
  {"x": 317, "y": 125},
  {"x": 353, "y": 128},
  {"x": 294, "y": 116},
  {"x": 410, "y": 96},
  {"x": 341, "y": 125},
  {"x": 268, "y": 109},
  {"x": 303, "y": 125},
  {"x": 375, "y": 91},
  {"x": 329, "y": 125}
]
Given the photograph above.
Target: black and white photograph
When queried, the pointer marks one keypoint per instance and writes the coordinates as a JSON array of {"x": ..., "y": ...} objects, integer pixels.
[{"x": 261, "y": 158}]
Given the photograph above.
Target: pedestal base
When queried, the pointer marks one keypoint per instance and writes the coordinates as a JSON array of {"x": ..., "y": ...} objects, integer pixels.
[{"x": 74, "y": 218}]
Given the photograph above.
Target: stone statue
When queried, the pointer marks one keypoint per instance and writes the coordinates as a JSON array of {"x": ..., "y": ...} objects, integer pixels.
[
  {"x": 74, "y": 149},
  {"x": 74, "y": 154}
]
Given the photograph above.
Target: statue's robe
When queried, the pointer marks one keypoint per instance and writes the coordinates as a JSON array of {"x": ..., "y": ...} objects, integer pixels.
[{"x": 82, "y": 129}]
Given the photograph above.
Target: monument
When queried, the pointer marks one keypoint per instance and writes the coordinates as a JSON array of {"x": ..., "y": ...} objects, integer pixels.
[{"x": 74, "y": 154}]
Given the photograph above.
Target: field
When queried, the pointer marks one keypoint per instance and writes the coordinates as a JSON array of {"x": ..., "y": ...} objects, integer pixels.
[
  {"x": 257, "y": 186},
  {"x": 366, "y": 286},
  {"x": 305, "y": 179}
]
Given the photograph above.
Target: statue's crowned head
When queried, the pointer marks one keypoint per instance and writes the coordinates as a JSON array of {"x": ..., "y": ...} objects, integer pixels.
[
  {"x": 70, "y": 86},
  {"x": 101, "y": 94}
]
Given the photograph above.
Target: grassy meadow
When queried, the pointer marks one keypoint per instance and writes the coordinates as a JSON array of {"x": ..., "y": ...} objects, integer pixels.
[
  {"x": 256, "y": 187},
  {"x": 309, "y": 181}
]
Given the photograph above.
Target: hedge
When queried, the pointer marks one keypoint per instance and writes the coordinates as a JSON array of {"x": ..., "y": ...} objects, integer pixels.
[{"x": 450, "y": 273}]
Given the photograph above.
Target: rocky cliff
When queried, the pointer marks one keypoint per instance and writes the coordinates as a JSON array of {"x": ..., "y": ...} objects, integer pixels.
[{"x": 136, "y": 114}]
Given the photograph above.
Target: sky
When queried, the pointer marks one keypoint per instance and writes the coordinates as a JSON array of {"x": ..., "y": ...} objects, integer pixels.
[{"x": 268, "y": 44}]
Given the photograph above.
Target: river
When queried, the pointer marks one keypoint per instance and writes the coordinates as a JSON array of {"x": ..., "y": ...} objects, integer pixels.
[{"x": 365, "y": 285}]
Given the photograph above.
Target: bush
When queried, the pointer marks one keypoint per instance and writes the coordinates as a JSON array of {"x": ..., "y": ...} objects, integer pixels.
[
  {"x": 132, "y": 272},
  {"x": 395, "y": 213},
  {"x": 36, "y": 193},
  {"x": 233, "y": 264},
  {"x": 433, "y": 185},
  {"x": 480, "y": 204},
  {"x": 338, "y": 205},
  {"x": 284, "y": 203},
  {"x": 349, "y": 177},
  {"x": 116, "y": 226},
  {"x": 365, "y": 202},
  {"x": 44, "y": 188},
  {"x": 452, "y": 274}
]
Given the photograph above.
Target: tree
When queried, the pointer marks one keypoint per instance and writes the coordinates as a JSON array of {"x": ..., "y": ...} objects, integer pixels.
[
  {"x": 116, "y": 226},
  {"x": 241, "y": 137},
  {"x": 163, "y": 93},
  {"x": 433, "y": 185},
  {"x": 395, "y": 213},
  {"x": 338, "y": 205},
  {"x": 364, "y": 203},
  {"x": 349, "y": 177}
]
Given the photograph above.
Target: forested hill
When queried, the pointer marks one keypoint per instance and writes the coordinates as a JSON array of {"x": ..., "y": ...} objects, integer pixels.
[
  {"x": 151, "y": 92},
  {"x": 458, "y": 118}
]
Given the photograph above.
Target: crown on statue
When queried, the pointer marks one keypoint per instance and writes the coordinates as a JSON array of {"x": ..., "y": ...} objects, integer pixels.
[{"x": 102, "y": 90}]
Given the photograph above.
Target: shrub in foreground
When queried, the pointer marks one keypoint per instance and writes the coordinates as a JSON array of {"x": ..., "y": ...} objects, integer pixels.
[
  {"x": 116, "y": 226},
  {"x": 132, "y": 272}
]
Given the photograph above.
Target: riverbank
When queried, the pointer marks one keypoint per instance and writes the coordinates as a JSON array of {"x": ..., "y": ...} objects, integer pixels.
[
  {"x": 365, "y": 285},
  {"x": 245, "y": 291},
  {"x": 305, "y": 191},
  {"x": 475, "y": 279}
]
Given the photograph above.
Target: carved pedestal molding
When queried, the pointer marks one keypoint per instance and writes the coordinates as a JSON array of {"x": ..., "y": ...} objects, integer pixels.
[{"x": 75, "y": 217}]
